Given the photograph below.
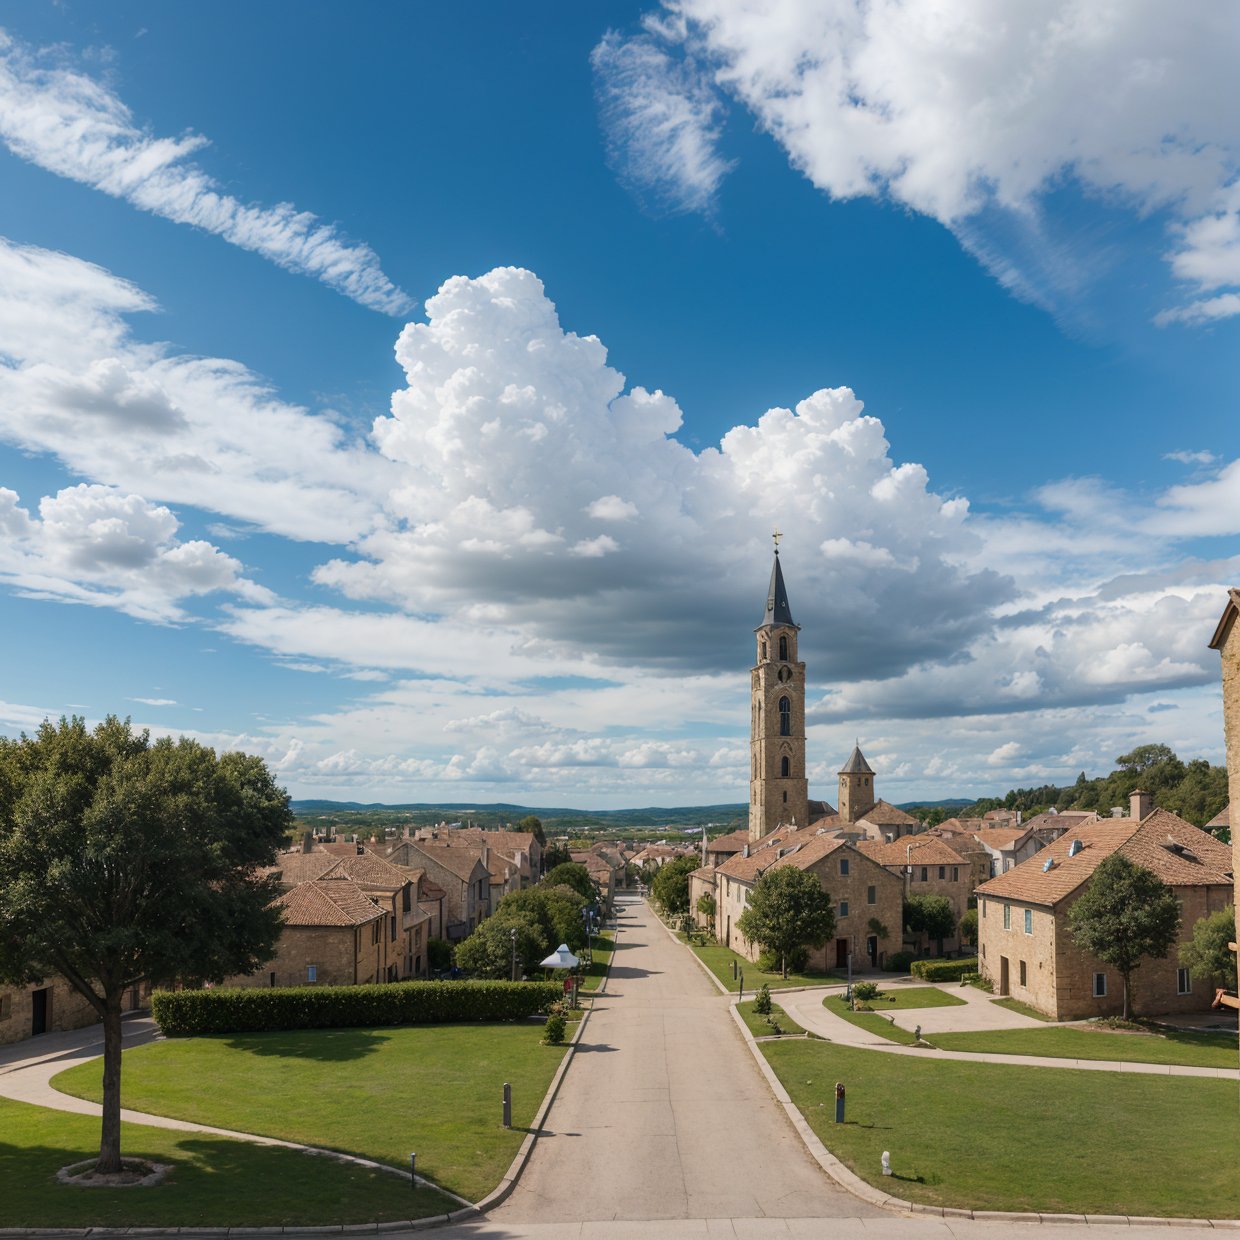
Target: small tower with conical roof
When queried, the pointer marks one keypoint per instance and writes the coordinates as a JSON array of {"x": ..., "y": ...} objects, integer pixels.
[
  {"x": 778, "y": 790},
  {"x": 856, "y": 787}
]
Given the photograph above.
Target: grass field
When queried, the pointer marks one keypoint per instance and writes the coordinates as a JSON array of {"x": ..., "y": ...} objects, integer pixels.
[
  {"x": 1201, "y": 1050},
  {"x": 759, "y": 1025},
  {"x": 719, "y": 960},
  {"x": 214, "y": 1181},
  {"x": 998, "y": 1137},
  {"x": 1015, "y": 1005},
  {"x": 901, "y": 998},
  {"x": 871, "y": 1022},
  {"x": 604, "y": 947},
  {"x": 380, "y": 1092}
]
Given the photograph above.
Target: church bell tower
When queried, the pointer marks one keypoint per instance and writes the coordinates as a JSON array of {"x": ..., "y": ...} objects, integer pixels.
[{"x": 778, "y": 790}]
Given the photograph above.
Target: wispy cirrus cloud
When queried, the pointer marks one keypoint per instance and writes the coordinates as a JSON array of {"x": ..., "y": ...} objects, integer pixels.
[
  {"x": 661, "y": 118},
  {"x": 74, "y": 126}
]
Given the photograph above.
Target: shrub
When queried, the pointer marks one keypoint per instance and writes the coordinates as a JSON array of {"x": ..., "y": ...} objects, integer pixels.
[
  {"x": 553, "y": 1030},
  {"x": 798, "y": 958},
  {"x": 943, "y": 970},
  {"x": 438, "y": 955},
  {"x": 866, "y": 990},
  {"x": 184, "y": 1013},
  {"x": 762, "y": 1003},
  {"x": 898, "y": 962}
]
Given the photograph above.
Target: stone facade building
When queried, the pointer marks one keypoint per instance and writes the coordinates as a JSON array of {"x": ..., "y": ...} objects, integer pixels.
[
  {"x": 1025, "y": 942},
  {"x": 926, "y": 865}
]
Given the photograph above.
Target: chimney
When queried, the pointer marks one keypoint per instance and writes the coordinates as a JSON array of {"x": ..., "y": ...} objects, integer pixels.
[
  {"x": 1140, "y": 804},
  {"x": 745, "y": 851},
  {"x": 307, "y": 841},
  {"x": 1117, "y": 811},
  {"x": 486, "y": 856},
  {"x": 360, "y": 850},
  {"x": 1018, "y": 817}
]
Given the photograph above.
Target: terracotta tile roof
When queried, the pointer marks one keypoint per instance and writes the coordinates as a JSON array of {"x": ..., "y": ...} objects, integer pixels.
[
  {"x": 1221, "y": 819},
  {"x": 458, "y": 859},
  {"x": 1207, "y": 861},
  {"x": 301, "y": 867},
  {"x": 925, "y": 850},
  {"x": 1002, "y": 837},
  {"x": 369, "y": 871},
  {"x": 884, "y": 814},
  {"x": 733, "y": 842},
  {"x": 821, "y": 809},
  {"x": 800, "y": 848},
  {"x": 328, "y": 902}
]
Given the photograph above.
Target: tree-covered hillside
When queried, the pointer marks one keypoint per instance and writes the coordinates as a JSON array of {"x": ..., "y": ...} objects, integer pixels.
[{"x": 1195, "y": 790}]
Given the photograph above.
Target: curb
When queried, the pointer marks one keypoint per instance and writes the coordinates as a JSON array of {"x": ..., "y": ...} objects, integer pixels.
[{"x": 854, "y": 1184}]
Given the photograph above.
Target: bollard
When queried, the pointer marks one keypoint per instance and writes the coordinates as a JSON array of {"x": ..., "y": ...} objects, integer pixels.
[
  {"x": 886, "y": 1163},
  {"x": 917, "y": 1034},
  {"x": 413, "y": 1171},
  {"x": 839, "y": 1102},
  {"x": 507, "y": 1105},
  {"x": 734, "y": 970}
]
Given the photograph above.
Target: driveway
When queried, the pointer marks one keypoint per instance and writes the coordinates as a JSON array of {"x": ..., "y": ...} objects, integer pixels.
[{"x": 663, "y": 1114}]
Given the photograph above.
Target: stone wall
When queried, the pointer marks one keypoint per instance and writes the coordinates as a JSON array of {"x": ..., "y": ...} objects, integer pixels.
[
  {"x": 66, "y": 1009},
  {"x": 341, "y": 956},
  {"x": 1230, "y": 650}
]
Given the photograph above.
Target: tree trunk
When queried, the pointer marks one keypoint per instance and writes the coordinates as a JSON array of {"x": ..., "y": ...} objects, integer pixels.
[
  {"x": 110, "y": 1137},
  {"x": 1127, "y": 1000},
  {"x": 784, "y": 961}
]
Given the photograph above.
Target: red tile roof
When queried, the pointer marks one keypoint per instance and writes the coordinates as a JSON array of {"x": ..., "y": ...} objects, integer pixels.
[{"x": 328, "y": 902}]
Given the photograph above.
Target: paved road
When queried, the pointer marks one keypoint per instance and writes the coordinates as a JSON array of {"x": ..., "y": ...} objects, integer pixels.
[{"x": 663, "y": 1114}]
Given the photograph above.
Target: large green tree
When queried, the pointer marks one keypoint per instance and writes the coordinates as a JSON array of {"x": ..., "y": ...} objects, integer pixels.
[
  {"x": 930, "y": 915},
  {"x": 555, "y": 909},
  {"x": 501, "y": 945},
  {"x": 533, "y": 824},
  {"x": 670, "y": 886},
  {"x": 1208, "y": 953},
  {"x": 1125, "y": 914},
  {"x": 572, "y": 874},
  {"x": 123, "y": 859},
  {"x": 787, "y": 909}
]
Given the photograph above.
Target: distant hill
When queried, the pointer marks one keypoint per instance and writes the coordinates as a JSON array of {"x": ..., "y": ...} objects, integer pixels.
[
  {"x": 357, "y": 815},
  {"x": 949, "y": 803}
]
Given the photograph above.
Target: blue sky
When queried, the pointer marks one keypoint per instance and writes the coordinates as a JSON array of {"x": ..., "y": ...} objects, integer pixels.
[{"x": 951, "y": 304}]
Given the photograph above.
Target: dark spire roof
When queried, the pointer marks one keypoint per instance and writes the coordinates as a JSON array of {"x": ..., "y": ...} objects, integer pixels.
[
  {"x": 777, "y": 609},
  {"x": 856, "y": 764}
]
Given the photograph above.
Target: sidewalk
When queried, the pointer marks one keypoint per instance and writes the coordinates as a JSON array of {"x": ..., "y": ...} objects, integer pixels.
[{"x": 805, "y": 1007}]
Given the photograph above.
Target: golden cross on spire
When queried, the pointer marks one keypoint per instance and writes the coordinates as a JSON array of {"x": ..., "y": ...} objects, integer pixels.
[{"x": 776, "y": 535}]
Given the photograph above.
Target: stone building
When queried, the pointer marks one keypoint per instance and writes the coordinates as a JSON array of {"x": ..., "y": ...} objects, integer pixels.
[
  {"x": 460, "y": 871},
  {"x": 1025, "y": 943},
  {"x": 1226, "y": 641},
  {"x": 868, "y": 899},
  {"x": 778, "y": 787},
  {"x": 334, "y": 935},
  {"x": 45, "y": 1006}
]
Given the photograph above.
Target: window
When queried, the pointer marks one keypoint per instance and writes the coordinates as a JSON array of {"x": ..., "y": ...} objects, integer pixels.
[
  {"x": 406, "y": 900},
  {"x": 762, "y": 649},
  {"x": 312, "y": 972},
  {"x": 942, "y": 871},
  {"x": 1022, "y": 973},
  {"x": 843, "y": 908},
  {"x": 843, "y": 865},
  {"x": 1028, "y": 921},
  {"x": 393, "y": 935},
  {"x": 785, "y": 716},
  {"x": 925, "y": 873},
  {"x": 955, "y": 874},
  {"x": 1007, "y": 916},
  {"x": 272, "y": 983},
  {"x": 1100, "y": 985},
  {"x": 1183, "y": 982},
  {"x": 785, "y": 798},
  {"x": 6, "y": 1006},
  {"x": 783, "y": 649},
  {"x": 785, "y": 767},
  {"x": 982, "y": 904},
  {"x": 871, "y": 895}
]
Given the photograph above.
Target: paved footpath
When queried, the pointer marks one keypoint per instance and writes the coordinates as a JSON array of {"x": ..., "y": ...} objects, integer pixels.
[{"x": 663, "y": 1114}]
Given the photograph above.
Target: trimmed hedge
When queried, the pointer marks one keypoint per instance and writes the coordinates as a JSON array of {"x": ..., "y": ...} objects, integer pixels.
[
  {"x": 184, "y": 1013},
  {"x": 943, "y": 970}
]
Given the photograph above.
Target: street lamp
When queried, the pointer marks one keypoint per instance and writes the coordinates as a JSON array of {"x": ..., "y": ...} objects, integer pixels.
[{"x": 513, "y": 933}]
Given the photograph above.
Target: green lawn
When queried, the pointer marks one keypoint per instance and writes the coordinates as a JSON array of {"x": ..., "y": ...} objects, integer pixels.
[
  {"x": 900, "y": 998},
  {"x": 214, "y": 1181},
  {"x": 1202, "y": 1050},
  {"x": 760, "y": 1027},
  {"x": 1015, "y": 1005},
  {"x": 604, "y": 947},
  {"x": 379, "y": 1092},
  {"x": 871, "y": 1022},
  {"x": 719, "y": 959},
  {"x": 998, "y": 1137}
]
